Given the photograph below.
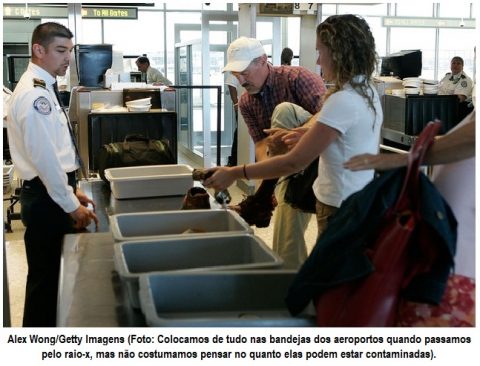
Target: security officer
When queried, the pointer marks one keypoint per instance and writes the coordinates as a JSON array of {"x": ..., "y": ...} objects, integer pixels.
[
  {"x": 153, "y": 75},
  {"x": 45, "y": 157},
  {"x": 456, "y": 82}
]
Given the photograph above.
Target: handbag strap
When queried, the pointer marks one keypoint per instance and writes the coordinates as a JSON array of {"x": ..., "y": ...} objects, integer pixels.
[{"x": 416, "y": 156}]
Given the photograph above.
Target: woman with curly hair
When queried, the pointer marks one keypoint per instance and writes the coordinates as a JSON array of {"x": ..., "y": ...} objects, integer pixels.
[{"x": 349, "y": 122}]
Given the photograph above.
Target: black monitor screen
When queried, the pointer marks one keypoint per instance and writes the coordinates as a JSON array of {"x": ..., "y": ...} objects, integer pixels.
[
  {"x": 406, "y": 63},
  {"x": 92, "y": 63}
]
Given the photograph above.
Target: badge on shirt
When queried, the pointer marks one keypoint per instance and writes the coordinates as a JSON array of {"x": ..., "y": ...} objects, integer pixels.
[
  {"x": 42, "y": 105},
  {"x": 464, "y": 84}
]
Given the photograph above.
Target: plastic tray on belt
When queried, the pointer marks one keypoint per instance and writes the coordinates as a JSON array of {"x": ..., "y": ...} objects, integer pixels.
[
  {"x": 144, "y": 225},
  {"x": 219, "y": 299},
  {"x": 150, "y": 181},
  {"x": 242, "y": 251}
]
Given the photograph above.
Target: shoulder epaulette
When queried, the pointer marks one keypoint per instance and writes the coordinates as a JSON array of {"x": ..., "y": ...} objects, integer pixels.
[{"x": 39, "y": 82}]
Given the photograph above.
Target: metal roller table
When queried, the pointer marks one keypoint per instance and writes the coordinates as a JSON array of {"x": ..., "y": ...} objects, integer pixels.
[{"x": 90, "y": 291}]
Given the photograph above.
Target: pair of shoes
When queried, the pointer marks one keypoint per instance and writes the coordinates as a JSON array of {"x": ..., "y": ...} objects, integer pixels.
[
  {"x": 255, "y": 210},
  {"x": 196, "y": 198}
]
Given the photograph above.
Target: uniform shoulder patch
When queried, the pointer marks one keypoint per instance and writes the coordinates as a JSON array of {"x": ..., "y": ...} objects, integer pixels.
[
  {"x": 463, "y": 83},
  {"x": 42, "y": 105},
  {"x": 39, "y": 82}
]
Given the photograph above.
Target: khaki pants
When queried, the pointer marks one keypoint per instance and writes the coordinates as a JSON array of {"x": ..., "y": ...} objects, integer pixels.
[
  {"x": 289, "y": 223},
  {"x": 323, "y": 213}
]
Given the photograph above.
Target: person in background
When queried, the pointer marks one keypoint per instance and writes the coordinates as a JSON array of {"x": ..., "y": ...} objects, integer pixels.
[
  {"x": 153, "y": 75},
  {"x": 348, "y": 123},
  {"x": 44, "y": 154},
  {"x": 232, "y": 84},
  {"x": 455, "y": 180},
  {"x": 286, "y": 56},
  {"x": 270, "y": 92},
  {"x": 456, "y": 82}
]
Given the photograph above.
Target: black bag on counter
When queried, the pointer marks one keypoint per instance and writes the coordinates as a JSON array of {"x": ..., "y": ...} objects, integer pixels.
[
  {"x": 299, "y": 192},
  {"x": 135, "y": 150}
]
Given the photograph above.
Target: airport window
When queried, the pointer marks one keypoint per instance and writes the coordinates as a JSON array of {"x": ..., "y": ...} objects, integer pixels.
[
  {"x": 416, "y": 39},
  {"x": 364, "y": 10},
  {"x": 454, "y": 10},
  {"x": 144, "y": 35},
  {"x": 456, "y": 42},
  {"x": 91, "y": 31},
  {"x": 419, "y": 9}
]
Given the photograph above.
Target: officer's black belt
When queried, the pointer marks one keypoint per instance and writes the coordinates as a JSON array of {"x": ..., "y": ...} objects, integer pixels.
[{"x": 37, "y": 182}]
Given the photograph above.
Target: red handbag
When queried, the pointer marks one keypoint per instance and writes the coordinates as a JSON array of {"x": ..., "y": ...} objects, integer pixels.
[{"x": 372, "y": 301}]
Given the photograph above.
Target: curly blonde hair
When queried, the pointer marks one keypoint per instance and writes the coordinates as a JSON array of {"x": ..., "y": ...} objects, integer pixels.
[{"x": 352, "y": 48}]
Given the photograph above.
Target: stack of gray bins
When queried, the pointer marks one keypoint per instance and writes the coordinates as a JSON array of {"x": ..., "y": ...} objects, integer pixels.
[{"x": 200, "y": 268}]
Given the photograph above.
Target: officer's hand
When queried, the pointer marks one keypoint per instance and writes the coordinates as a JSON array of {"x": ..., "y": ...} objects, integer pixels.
[
  {"x": 84, "y": 199},
  {"x": 83, "y": 217}
]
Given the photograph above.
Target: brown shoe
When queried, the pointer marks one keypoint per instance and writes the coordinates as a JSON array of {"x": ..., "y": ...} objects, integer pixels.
[
  {"x": 200, "y": 174},
  {"x": 196, "y": 198},
  {"x": 256, "y": 211}
]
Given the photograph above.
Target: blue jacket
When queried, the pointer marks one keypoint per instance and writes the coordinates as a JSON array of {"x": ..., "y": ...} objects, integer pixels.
[{"x": 339, "y": 254}]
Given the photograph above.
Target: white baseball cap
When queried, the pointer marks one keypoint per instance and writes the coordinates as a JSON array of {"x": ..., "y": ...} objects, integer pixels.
[{"x": 241, "y": 52}]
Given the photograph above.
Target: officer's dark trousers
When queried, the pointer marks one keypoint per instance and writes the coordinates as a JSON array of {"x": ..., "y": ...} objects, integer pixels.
[{"x": 46, "y": 225}]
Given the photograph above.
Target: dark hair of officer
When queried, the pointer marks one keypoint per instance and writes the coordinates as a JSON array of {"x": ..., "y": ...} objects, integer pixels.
[
  {"x": 458, "y": 58},
  {"x": 45, "y": 33},
  {"x": 143, "y": 60}
]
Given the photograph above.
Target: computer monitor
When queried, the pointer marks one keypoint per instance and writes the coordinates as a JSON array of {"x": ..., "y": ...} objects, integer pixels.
[
  {"x": 92, "y": 61},
  {"x": 406, "y": 63}
]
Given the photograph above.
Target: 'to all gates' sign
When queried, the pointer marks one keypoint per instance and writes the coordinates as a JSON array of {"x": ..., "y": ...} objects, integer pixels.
[{"x": 110, "y": 13}]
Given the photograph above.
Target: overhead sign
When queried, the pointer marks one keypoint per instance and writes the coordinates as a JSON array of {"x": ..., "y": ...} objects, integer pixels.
[
  {"x": 110, "y": 13},
  {"x": 34, "y": 12},
  {"x": 417, "y": 22},
  {"x": 304, "y": 8},
  {"x": 276, "y": 9},
  {"x": 38, "y": 12}
]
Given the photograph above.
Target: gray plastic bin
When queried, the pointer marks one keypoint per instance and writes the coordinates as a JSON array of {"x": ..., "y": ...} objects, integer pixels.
[
  {"x": 149, "y": 225},
  {"x": 219, "y": 299},
  {"x": 150, "y": 181},
  {"x": 190, "y": 254}
]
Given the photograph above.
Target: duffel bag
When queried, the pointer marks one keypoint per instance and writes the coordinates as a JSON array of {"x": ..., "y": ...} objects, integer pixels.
[{"x": 135, "y": 150}]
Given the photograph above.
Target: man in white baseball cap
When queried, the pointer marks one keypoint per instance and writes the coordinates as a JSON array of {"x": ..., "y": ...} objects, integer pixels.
[
  {"x": 241, "y": 52},
  {"x": 273, "y": 92},
  {"x": 246, "y": 60}
]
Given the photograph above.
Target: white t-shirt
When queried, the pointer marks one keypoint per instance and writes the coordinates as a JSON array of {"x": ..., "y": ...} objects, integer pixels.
[{"x": 359, "y": 126}]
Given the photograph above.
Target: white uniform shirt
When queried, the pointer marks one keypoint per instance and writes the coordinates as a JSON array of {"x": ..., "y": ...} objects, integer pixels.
[
  {"x": 7, "y": 94},
  {"x": 349, "y": 113},
  {"x": 459, "y": 84},
  {"x": 40, "y": 142},
  {"x": 155, "y": 76}
]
